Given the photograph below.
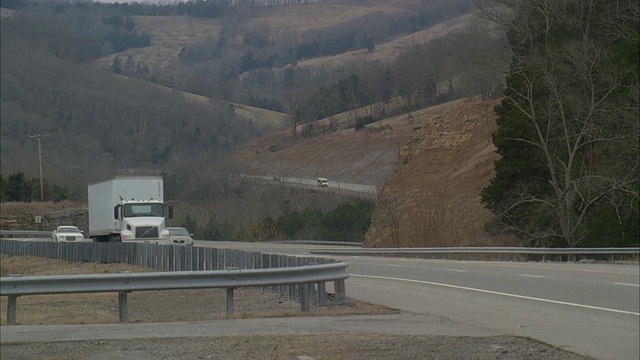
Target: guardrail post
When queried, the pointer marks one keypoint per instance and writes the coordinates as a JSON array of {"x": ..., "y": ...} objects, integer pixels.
[
  {"x": 11, "y": 309},
  {"x": 340, "y": 296},
  {"x": 122, "y": 305},
  {"x": 305, "y": 305},
  {"x": 282, "y": 263},
  {"x": 229, "y": 301},
  {"x": 322, "y": 294},
  {"x": 266, "y": 264},
  {"x": 273, "y": 263},
  {"x": 291, "y": 262}
]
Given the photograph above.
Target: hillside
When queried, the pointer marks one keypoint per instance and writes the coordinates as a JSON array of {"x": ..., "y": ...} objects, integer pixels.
[
  {"x": 170, "y": 34},
  {"x": 408, "y": 156},
  {"x": 430, "y": 169},
  {"x": 432, "y": 197}
]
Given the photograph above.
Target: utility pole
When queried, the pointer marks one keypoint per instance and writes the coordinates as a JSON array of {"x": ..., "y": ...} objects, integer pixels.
[{"x": 39, "y": 137}]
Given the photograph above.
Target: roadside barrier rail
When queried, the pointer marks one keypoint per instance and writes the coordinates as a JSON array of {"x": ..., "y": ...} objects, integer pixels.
[
  {"x": 25, "y": 234},
  {"x": 319, "y": 243},
  {"x": 478, "y": 253},
  {"x": 124, "y": 283},
  {"x": 173, "y": 258}
]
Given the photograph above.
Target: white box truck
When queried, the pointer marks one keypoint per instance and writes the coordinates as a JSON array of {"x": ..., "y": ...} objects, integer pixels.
[{"x": 128, "y": 209}]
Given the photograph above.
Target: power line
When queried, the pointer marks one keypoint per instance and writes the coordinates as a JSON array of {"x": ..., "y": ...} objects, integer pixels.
[
  {"x": 4, "y": 163},
  {"x": 5, "y": 151},
  {"x": 60, "y": 167},
  {"x": 18, "y": 138},
  {"x": 16, "y": 148}
]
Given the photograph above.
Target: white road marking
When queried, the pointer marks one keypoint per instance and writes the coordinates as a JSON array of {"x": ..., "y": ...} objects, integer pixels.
[
  {"x": 499, "y": 293},
  {"x": 626, "y": 284},
  {"x": 395, "y": 265},
  {"x": 457, "y": 270},
  {"x": 533, "y": 276}
]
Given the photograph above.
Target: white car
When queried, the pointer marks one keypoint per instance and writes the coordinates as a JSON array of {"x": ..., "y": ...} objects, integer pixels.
[
  {"x": 177, "y": 236},
  {"x": 67, "y": 234}
]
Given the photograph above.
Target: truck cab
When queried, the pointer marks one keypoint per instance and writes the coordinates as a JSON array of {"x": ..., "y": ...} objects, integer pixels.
[{"x": 141, "y": 219}]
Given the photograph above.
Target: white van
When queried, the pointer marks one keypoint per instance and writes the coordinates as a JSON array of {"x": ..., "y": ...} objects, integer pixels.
[{"x": 323, "y": 182}]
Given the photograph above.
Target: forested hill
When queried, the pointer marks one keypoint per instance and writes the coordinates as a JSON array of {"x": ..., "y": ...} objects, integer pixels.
[
  {"x": 99, "y": 121},
  {"x": 95, "y": 120}
]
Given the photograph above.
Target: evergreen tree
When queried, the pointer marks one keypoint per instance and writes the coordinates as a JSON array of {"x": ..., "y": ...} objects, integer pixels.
[
  {"x": 568, "y": 125},
  {"x": 116, "y": 66}
]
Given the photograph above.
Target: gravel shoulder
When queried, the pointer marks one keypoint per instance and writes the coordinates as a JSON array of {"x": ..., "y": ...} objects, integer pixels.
[
  {"x": 173, "y": 325},
  {"x": 303, "y": 347}
]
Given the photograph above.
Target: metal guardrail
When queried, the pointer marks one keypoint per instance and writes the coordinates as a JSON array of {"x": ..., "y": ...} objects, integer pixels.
[
  {"x": 186, "y": 258},
  {"x": 477, "y": 253},
  {"x": 319, "y": 243},
  {"x": 123, "y": 283},
  {"x": 5, "y": 234}
]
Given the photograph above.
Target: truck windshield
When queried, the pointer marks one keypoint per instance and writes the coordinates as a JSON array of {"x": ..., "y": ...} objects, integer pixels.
[{"x": 136, "y": 210}]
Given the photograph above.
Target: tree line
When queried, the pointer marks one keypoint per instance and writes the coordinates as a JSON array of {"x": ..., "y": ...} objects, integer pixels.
[
  {"x": 422, "y": 76},
  {"x": 265, "y": 52},
  {"x": 347, "y": 222},
  {"x": 16, "y": 187},
  {"x": 79, "y": 36},
  {"x": 568, "y": 125},
  {"x": 196, "y": 8}
]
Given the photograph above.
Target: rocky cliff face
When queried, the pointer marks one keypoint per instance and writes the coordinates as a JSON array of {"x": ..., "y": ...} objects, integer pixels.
[
  {"x": 430, "y": 168},
  {"x": 432, "y": 197}
]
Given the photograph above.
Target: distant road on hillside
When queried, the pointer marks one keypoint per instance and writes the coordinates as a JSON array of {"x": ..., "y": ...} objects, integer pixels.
[{"x": 333, "y": 185}]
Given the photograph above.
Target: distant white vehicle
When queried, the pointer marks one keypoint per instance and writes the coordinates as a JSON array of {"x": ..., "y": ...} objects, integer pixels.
[
  {"x": 67, "y": 234},
  {"x": 178, "y": 236},
  {"x": 323, "y": 182}
]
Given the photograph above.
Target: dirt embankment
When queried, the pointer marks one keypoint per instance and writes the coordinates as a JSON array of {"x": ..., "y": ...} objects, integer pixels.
[
  {"x": 430, "y": 168},
  {"x": 433, "y": 196}
]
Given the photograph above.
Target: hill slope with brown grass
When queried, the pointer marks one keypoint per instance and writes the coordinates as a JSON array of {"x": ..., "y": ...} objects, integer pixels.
[
  {"x": 430, "y": 168},
  {"x": 170, "y": 34}
]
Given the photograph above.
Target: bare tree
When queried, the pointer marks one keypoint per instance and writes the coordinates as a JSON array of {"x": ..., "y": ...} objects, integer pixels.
[
  {"x": 582, "y": 107},
  {"x": 436, "y": 222}
]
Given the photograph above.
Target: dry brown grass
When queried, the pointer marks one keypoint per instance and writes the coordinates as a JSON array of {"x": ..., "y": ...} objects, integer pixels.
[
  {"x": 61, "y": 309},
  {"x": 6, "y": 12},
  {"x": 388, "y": 52},
  {"x": 326, "y": 14},
  {"x": 35, "y": 265},
  {"x": 29, "y": 207},
  {"x": 169, "y": 34}
]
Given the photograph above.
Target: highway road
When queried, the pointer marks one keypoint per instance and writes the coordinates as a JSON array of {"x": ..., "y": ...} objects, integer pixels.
[{"x": 591, "y": 309}]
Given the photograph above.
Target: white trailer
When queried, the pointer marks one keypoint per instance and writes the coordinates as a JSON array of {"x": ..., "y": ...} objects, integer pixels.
[{"x": 127, "y": 209}]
